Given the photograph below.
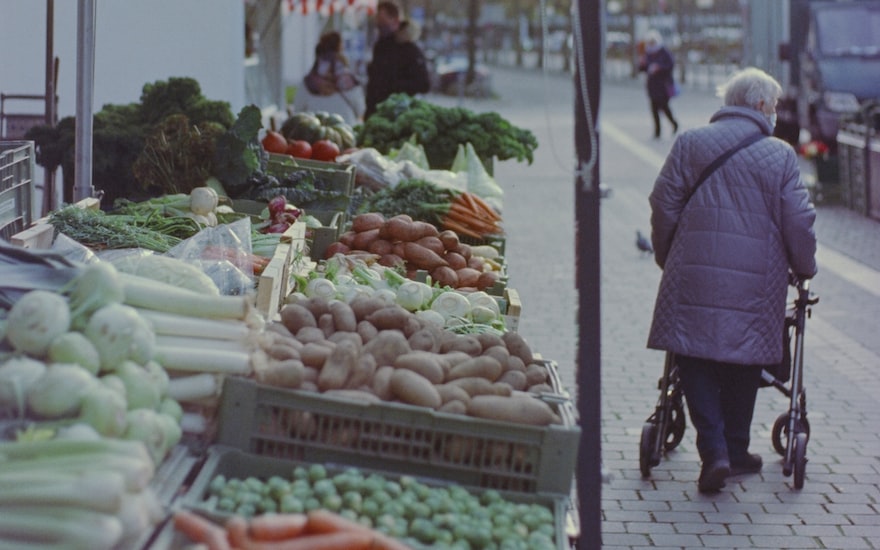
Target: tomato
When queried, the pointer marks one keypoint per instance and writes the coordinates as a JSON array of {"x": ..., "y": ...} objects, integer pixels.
[
  {"x": 299, "y": 148},
  {"x": 324, "y": 149},
  {"x": 274, "y": 142}
]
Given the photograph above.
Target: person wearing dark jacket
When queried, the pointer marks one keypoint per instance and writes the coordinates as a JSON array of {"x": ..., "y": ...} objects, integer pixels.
[
  {"x": 727, "y": 255},
  {"x": 398, "y": 64},
  {"x": 658, "y": 63}
]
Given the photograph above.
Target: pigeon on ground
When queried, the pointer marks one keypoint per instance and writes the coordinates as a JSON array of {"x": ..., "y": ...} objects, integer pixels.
[{"x": 643, "y": 243}]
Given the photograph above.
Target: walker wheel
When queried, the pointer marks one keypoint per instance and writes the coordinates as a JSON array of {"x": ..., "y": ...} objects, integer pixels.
[
  {"x": 780, "y": 429},
  {"x": 647, "y": 460},
  {"x": 800, "y": 459},
  {"x": 677, "y": 424}
]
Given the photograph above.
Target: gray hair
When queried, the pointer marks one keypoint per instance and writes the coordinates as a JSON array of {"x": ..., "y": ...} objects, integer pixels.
[{"x": 749, "y": 87}]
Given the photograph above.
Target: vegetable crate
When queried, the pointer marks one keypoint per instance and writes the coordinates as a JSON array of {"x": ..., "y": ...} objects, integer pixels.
[
  {"x": 274, "y": 283},
  {"x": 341, "y": 175},
  {"x": 319, "y": 238},
  {"x": 298, "y": 425},
  {"x": 17, "y": 167},
  {"x": 236, "y": 464}
]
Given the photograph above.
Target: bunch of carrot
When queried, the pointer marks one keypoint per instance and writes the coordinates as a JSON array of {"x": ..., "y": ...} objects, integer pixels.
[
  {"x": 471, "y": 216},
  {"x": 318, "y": 529}
]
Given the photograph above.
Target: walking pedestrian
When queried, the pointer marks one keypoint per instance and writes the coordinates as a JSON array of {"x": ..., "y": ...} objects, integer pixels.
[
  {"x": 398, "y": 64},
  {"x": 658, "y": 62},
  {"x": 727, "y": 252}
]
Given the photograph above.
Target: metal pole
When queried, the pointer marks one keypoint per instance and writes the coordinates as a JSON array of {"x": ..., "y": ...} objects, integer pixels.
[
  {"x": 49, "y": 193},
  {"x": 85, "y": 80},
  {"x": 588, "y": 46}
]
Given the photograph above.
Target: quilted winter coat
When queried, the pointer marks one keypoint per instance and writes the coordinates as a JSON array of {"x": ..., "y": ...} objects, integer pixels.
[{"x": 726, "y": 255}]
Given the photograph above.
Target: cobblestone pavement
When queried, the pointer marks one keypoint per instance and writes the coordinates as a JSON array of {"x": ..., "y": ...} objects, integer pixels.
[{"x": 839, "y": 506}]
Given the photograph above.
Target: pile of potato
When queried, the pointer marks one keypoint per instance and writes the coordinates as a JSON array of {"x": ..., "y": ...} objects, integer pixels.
[
  {"x": 417, "y": 245},
  {"x": 372, "y": 350}
]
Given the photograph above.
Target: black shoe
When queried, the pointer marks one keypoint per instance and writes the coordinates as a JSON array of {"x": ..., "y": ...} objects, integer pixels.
[
  {"x": 750, "y": 465},
  {"x": 674, "y": 128},
  {"x": 712, "y": 476}
]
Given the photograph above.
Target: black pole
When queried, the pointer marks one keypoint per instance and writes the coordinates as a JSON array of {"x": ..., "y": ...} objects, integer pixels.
[{"x": 588, "y": 56}]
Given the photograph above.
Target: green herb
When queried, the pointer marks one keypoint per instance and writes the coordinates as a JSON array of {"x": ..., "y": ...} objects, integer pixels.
[
  {"x": 420, "y": 199},
  {"x": 98, "y": 230},
  {"x": 440, "y": 130},
  {"x": 238, "y": 153}
]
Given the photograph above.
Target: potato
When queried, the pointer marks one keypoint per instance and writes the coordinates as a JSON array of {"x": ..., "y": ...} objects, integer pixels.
[
  {"x": 489, "y": 339},
  {"x": 515, "y": 363},
  {"x": 386, "y": 346},
  {"x": 422, "y": 257},
  {"x": 541, "y": 388},
  {"x": 277, "y": 327},
  {"x": 347, "y": 237},
  {"x": 467, "y": 277},
  {"x": 367, "y": 331},
  {"x": 310, "y": 376},
  {"x": 464, "y": 249},
  {"x": 289, "y": 373},
  {"x": 317, "y": 305},
  {"x": 515, "y": 379},
  {"x": 432, "y": 243},
  {"x": 498, "y": 352},
  {"x": 463, "y": 342},
  {"x": 413, "y": 388},
  {"x": 451, "y": 392},
  {"x": 354, "y": 337},
  {"x": 336, "y": 248},
  {"x": 399, "y": 228},
  {"x": 338, "y": 367},
  {"x": 517, "y": 345},
  {"x": 296, "y": 316},
  {"x": 314, "y": 354},
  {"x": 487, "y": 280},
  {"x": 517, "y": 410},
  {"x": 391, "y": 260},
  {"x": 425, "y": 339},
  {"x": 389, "y": 317},
  {"x": 476, "y": 262},
  {"x": 362, "y": 374},
  {"x": 454, "y": 407},
  {"x": 362, "y": 306},
  {"x": 426, "y": 230},
  {"x": 473, "y": 385},
  {"x": 452, "y": 358},
  {"x": 536, "y": 373},
  {"x": 445, "y": 275},
  {"x": 423, "y": 362},
  {"x": 364, "y": 239},
  {"x": 501, "y": 388},
  {"x": 325, "y": 323},
  {"x": 281, "y": 351},
  {"x": 381, "y": 384},
  {"x": 449, "y": 239},
  {"x": 482, "y": 366},
  {"x": 367, "y": 221},
  {"x": 343, "y": 316},
  {"x": 455, "y": 260},
  {"x": 310, "y": 334},
  {"x": 380, "y": 247}
]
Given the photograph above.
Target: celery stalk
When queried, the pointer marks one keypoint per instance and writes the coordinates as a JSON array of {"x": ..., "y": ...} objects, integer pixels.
[{"x": 56, "y": 527}]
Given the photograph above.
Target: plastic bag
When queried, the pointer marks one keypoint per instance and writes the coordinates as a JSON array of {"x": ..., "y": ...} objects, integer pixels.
[
  {"x": 224, "y": 253},
  {"x": 479, "y": 182},
  {"x": 414, "y": 153},
  {"x": 159, "y": 267}
]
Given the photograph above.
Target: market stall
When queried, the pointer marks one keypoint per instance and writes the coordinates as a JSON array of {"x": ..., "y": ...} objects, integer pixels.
[{"x": 299, "y": 333}]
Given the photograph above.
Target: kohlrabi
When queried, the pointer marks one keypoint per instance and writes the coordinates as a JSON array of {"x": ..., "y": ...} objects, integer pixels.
[
  {"x": 119, "y": 332},
  {"x": 73, "y": 347},
  {"x": 35, "y": 320},
  {"x": 17, "y": 375},
  {"x": 59, "y": 391}
]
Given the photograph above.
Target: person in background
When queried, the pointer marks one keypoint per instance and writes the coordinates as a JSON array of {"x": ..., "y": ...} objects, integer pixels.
[
  {"x": 398, "y": 64},
  {"x": 657, "y": 62},
  {"x": 331, "y": 84},
  {"x": 727, "y": 255}
]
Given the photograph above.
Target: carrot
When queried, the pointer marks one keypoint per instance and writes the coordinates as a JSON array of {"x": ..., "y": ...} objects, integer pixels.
[
  {"x": 340, "y": 540},
  {"x": 474, "y": 221},
  {"x": 322, "y": 521},
  {"x": 271, "y": 527},
  {"x": 484, "y": 206},
  {"x": 237, "y": 532},
  {"x": 459, "y": 228},
  {"x": 201, "y": 530},
  {"x": 384, "y": 542}
]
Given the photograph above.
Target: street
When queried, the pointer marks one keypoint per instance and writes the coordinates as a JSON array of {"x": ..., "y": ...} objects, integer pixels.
[{"x": 839, "y": 506}]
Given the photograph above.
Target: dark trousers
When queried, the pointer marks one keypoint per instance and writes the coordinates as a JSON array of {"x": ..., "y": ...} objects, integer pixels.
[
  {"x": 656, "y": 108},
  {"x": 721, "y": 402}
]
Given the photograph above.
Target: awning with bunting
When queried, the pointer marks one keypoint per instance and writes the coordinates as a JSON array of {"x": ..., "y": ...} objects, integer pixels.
[{"x": 328, "y": 7}]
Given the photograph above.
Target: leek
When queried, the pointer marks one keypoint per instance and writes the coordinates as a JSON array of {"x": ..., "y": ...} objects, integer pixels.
[
  {"x": 148, "y": 294},
  {"x": 57, "y": 527}
]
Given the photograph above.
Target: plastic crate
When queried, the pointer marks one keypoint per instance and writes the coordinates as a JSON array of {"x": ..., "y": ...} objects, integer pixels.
[
  {"x": 312, "y": 427},
  {"x": 17, "y": 167},
  {"x": 340, "y": 176},
  {"x": 234, "y": 463}
]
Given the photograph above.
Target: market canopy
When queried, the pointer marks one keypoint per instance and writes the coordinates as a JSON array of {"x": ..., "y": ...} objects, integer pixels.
[{"x": 327, "y": 7}]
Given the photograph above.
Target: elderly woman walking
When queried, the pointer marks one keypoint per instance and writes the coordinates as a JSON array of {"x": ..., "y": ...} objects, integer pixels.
[{"x": 727, "y": 249}]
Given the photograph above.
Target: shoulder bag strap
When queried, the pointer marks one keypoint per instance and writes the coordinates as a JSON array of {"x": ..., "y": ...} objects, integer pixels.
[{"x": 721, "y": 160}]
